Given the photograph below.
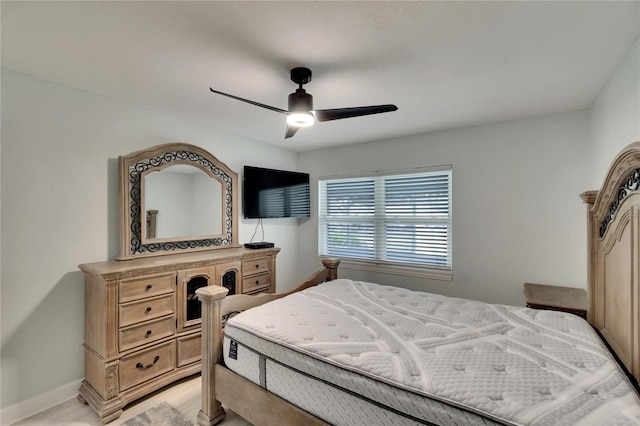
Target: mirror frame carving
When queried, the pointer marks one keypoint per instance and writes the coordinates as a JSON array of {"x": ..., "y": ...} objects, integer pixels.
[{"x": 132, "y": 169}]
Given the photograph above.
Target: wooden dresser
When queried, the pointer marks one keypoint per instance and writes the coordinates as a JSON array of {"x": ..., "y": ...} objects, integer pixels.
[{"x": 142, "y": 319}]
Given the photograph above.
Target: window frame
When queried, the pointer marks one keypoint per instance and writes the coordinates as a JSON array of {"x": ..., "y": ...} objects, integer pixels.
[{"x": 380, "y": 219}]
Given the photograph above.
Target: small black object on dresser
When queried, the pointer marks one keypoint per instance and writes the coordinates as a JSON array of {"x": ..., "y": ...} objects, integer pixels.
[{"x": 259, "y": 245}]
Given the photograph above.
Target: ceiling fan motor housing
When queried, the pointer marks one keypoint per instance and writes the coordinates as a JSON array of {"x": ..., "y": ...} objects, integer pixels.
[{"x": 300, "y": 101}]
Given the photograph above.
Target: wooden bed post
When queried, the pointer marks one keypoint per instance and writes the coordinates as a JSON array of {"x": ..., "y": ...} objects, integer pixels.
[
  {"x": 210, "y": 296},
  {"x": 589, "y": 197},
  {"x": 332, "y": 267}
]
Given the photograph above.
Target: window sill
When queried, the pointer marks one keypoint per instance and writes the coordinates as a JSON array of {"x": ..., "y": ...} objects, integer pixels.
[{"x": 434, "y": 274}]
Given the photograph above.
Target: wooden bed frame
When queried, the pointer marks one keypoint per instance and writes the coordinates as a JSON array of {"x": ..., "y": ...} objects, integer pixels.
[
  {"x": 613, "y": 234},
  {"x": 613, "y": 244}
]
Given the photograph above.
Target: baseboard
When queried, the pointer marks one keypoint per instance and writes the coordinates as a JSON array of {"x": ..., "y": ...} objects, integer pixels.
[{"x": 32, "y": 406}]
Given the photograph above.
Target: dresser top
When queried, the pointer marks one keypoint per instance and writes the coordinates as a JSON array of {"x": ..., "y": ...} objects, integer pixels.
[{"x": 174, "y": 261}]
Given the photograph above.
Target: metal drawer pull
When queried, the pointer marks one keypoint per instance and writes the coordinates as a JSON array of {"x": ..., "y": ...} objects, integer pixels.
[
  {"x": 139, "y": 365},
  {"x": 148, "y": 309},
  {"x": 149, "y": 287},
  {"x": 257, "y": 266},
  {"x": 149, "y": 333}
]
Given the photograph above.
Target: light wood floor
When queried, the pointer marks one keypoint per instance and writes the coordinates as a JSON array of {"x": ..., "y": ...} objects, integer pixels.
[{"x": 184, "y": 395}]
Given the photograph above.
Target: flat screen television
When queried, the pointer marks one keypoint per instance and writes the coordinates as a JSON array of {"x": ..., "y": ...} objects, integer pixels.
[{"x": 269, "y": 193}]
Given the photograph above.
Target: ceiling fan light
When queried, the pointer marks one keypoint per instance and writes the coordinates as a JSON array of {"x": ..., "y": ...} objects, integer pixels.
[{"x": 300, "y": 119}]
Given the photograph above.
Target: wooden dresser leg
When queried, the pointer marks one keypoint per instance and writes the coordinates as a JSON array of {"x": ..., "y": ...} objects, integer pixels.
[
  {"x": 111, "y": 417},
  {"x": 107, "y": 411}
]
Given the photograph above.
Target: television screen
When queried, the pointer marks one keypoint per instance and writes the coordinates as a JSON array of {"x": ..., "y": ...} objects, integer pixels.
[{"x": 269, "y": 193}]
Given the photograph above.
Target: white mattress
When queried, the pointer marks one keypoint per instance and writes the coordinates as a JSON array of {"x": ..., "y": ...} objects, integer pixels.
[{"x": 424, "y": 358}]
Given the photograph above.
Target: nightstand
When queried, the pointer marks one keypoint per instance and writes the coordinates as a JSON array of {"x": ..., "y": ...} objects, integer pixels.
[{"x": 566, "y": 299}]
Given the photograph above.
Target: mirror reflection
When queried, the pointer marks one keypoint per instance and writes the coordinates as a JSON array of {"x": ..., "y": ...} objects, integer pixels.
[
  {"x": 176, "y": 198},
  {"x": 181, "y": 201}
]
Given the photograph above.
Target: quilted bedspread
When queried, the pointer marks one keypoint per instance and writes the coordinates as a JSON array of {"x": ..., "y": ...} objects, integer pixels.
[{"x": 520, "y": 365}]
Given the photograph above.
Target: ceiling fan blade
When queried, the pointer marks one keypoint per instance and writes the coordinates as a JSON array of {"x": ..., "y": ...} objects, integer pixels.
[
  {"x": 291, "y": 130},
  {"x": 338, "y": 113},
  {"x": 250, "y": 102}
]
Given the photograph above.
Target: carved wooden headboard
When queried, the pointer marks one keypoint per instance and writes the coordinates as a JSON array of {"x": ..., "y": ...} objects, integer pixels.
[{"x": 613, "y": 223}]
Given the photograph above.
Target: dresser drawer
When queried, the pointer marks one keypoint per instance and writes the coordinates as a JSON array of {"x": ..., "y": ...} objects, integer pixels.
[
  {"x": 142, "y": 366},
  {"x": 256, "y": 283},
  {"x": 146, "y": 309},
  {"x": 256, "y": 266},
  {"x": 147, "y": 286},
  {"x": 146, "y": 332}
]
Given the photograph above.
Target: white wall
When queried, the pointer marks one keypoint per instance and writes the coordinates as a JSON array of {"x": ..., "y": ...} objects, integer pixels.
[
  {"x": 615, "y": 116},
  {"x": 517, "y": 216},
  {"x": 60, "y": 208}
]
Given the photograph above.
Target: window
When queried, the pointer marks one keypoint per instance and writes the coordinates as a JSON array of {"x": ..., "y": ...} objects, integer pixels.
[{"x": 397, "y": 222}]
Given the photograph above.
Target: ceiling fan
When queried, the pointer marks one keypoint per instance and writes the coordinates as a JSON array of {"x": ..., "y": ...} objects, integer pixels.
[{"x": 301, "y": 112}]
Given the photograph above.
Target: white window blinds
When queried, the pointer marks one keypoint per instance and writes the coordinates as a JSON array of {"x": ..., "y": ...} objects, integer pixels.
[{"x": 393, "y": 219}]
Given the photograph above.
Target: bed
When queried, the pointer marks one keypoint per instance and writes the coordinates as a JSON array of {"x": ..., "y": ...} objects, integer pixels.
[{"x": 335, "y": 351}]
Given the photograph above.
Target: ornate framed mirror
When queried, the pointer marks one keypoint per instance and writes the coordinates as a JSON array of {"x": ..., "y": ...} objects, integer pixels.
[{"x": 176, "y": 198}]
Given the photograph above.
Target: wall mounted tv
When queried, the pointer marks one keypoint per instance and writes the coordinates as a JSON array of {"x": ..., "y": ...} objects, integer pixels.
[{"x": 269, "y": 193}]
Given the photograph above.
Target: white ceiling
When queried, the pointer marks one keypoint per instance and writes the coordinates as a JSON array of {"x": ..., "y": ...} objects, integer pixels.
[{"x": 444, "y": 64}]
